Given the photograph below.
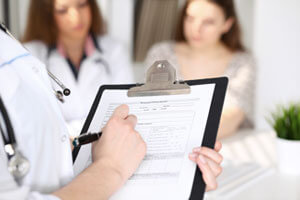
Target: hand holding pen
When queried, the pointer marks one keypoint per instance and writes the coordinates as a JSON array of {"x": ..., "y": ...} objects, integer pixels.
[
  {"x": 86, "y": 139},
  {"x": 120, "y": 145}
]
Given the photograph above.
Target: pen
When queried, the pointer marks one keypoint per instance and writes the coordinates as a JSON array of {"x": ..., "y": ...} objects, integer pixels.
[{"x": 86, "y": 138}]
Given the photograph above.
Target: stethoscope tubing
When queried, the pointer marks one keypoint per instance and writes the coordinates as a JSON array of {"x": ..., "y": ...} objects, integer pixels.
[{"x": 9, "y": 129}]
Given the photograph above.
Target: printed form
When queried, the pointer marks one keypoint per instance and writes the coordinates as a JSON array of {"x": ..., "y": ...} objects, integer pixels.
[{"x": 171, "y": 126}]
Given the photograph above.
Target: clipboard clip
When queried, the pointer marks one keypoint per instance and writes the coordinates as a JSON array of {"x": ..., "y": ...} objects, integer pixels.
[{"x": 160, "y": 80}]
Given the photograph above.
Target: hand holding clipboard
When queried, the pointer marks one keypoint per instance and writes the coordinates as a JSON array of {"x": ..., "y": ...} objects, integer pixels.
[{"x": 173, "y": 118}]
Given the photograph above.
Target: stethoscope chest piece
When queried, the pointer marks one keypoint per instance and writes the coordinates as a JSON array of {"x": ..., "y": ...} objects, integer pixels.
[{"x": 18, "y": 165}]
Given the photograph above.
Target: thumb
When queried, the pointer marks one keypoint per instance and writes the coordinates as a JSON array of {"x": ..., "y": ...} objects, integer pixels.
[{"x": 121, "y": 111}]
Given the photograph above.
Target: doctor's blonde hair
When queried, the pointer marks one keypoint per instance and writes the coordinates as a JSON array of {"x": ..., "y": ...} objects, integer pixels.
[{"x": 41, "y": 24}]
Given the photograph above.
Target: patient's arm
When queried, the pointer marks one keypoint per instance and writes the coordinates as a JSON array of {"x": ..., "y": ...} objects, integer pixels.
[{"x": 230, "y": 121}]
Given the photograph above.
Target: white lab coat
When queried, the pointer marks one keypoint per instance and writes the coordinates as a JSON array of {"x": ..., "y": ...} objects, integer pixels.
[
  {"x": 92, "y": 74},
  {"x": 39, "y": 126}
]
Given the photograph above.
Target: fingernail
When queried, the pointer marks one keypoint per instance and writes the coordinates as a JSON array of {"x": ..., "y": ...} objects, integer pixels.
[
  {"x": 202, "y": 159},
  {"x": 197, "y": 150}
]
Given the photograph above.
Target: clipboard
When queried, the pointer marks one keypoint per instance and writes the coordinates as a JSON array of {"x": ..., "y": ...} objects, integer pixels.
[{"x": 161, "y": 81}]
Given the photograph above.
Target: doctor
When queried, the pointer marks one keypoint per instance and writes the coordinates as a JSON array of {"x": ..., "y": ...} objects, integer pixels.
[
  {"x": 41, "y": 136},
  {"x": 68, "y": 36}
]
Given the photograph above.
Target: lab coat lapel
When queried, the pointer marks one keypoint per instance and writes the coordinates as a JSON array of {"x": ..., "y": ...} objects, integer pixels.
[
  {"x": 93, "y": 71},
  {"x": 74, "y": 104},
  {"x": 59, "y": 67}
]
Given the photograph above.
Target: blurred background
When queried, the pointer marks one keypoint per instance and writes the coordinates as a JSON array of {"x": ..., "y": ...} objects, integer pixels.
[{"x": 271, "y": 30}]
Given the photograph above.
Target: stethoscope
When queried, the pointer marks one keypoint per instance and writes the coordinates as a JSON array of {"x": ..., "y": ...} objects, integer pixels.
[
  {"x": 59, "y": 94},
  {"x": 18, "y": 164}
]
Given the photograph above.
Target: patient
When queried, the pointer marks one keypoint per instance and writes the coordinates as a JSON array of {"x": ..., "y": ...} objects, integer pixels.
[{"x": 208, "y": 44}]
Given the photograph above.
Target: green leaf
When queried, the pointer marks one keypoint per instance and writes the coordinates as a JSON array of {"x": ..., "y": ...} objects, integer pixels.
[{"x": 286, "y": 121}]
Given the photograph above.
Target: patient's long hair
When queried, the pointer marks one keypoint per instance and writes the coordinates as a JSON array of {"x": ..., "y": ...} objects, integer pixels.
[
  {"x": 41, "y": 24},
  {"x": 232, "y": 39}
]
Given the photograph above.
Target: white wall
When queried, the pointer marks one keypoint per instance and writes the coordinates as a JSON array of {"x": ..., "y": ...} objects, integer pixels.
[
  {"x": 277, "y": 49},
  {"x": 121, "y": 21},
  {"x": 245, "y": 12}
]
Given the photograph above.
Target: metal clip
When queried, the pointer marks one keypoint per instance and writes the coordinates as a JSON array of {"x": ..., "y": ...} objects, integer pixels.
[{"x": 161, "y": 80}]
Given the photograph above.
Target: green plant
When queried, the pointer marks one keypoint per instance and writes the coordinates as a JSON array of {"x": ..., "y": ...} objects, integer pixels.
[{"x": 286, "y": 121}]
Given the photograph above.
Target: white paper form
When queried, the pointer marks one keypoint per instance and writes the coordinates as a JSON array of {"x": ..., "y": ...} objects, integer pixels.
[{"x": 171, "y": 127}]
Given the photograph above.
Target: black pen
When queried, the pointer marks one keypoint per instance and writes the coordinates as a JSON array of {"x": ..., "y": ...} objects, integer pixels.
[{"x": 86, "y": 138}]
